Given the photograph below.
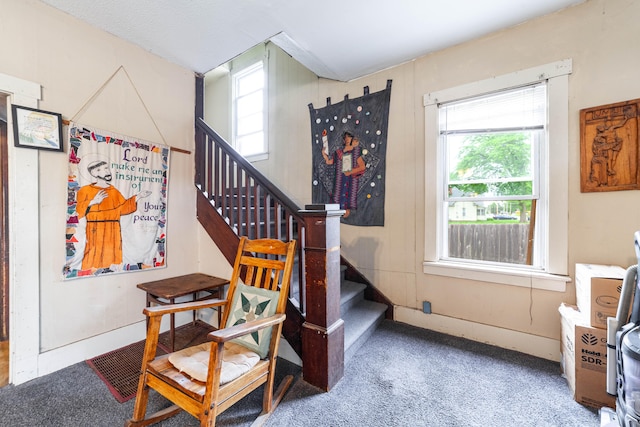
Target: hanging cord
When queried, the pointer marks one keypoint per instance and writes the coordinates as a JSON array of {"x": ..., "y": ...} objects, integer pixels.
[{"x": 101, "y": 88}]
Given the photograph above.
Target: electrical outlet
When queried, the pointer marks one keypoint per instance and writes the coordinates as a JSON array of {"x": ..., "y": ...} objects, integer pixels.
[{"x": 426, "y": 307}]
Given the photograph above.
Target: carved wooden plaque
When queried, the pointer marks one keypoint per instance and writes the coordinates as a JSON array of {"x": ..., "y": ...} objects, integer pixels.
[{"x": 609, "y": 147}]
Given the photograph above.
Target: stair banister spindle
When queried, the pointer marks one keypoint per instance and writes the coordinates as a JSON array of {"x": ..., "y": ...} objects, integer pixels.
[
  {"x": 199, "y": 159},
  {"x": 268, "y": 215},
  {"x": 301, "y": 269},
  {"x": 217, "y": 182},
  {"x": 234, "y": 198},
  {"x": 207, "y": 158},
  {"x": 224, "y": 165},
  {"x": 239, "y": 202},
  {"x": 279, "y": 221},
  {"x": 247, "y": 204}
]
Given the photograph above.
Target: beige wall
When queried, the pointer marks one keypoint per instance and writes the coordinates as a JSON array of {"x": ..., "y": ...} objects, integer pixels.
[
  {"x": 55, "y": 322},
  {"x": 600, "y": 36}
]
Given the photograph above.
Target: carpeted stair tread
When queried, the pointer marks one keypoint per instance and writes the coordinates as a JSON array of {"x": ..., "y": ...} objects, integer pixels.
[
  {"x": 350, "y": 294},
  {"x": 359, "y": 323}
]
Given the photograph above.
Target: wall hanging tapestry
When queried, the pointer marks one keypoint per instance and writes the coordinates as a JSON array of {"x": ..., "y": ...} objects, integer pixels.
[
  {"x": 116, "y": 203},
  {"x": 349, "y": 144},
  {"x": 610, "y": 147}
]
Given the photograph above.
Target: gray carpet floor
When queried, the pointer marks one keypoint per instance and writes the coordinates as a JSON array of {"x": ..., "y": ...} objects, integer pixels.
[{"x": 402, "y": 376}]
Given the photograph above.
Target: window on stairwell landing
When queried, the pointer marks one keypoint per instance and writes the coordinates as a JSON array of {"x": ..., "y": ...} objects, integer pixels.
[{"x": 249, "y": 111}]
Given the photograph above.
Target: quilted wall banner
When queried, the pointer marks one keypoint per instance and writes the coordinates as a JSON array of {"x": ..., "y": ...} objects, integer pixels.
[
  {"x": 349, "y": 145},
  {"x": 116, "y": 203}
]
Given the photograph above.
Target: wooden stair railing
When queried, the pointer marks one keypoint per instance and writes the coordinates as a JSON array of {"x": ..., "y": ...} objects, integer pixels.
[
  {"x": 247, "y": 204},
  {"x": 235, "y": 199}
]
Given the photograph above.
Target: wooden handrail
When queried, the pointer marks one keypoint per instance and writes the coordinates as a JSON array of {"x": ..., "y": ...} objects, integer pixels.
[
  {"x": 250, "y": 204},
  {"x": 246, "y": 165}
]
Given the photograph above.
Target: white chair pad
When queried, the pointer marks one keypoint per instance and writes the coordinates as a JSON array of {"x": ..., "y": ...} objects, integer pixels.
[{"x": 194, "y": 361}]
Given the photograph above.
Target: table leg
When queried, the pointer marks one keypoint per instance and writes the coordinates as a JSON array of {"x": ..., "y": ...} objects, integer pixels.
[
  {"x": 172, "y": 328},
  {"x": 195, "y": 298},
  {"x": 147, "y": 317}
]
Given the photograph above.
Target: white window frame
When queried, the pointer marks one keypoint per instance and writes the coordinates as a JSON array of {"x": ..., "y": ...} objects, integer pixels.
[
  {"x": 554, "y": 274},
  {"x": 239, "y": 72}
]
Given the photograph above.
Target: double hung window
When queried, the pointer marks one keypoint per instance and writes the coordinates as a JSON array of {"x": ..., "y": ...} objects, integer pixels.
[
  {"x": 249, "y": 111},
  {"x": 496, "y": 184},
  {"x": 493, "y": 174}
]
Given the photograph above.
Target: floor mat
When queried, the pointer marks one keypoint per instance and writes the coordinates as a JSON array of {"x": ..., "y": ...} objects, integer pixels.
[{"x": 120, "y": 369}]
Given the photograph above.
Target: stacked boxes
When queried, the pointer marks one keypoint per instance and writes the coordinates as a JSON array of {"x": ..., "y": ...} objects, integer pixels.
[
  {"x": 584, "y": 359},
  {"x": 584, "y": 332},
  {"x": 598, "y": 291}
]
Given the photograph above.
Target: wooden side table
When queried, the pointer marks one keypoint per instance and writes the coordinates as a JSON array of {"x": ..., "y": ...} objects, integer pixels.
[{"x": 165, "y": 291}]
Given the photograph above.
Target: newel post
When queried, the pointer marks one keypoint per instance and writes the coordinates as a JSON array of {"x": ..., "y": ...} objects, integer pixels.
[{"x": 323, "y": 330}]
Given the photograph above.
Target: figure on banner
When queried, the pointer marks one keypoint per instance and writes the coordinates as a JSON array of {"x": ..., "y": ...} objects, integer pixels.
[
  {"x": 103, "y": 205},
  {"x": 349, "y": 167}
]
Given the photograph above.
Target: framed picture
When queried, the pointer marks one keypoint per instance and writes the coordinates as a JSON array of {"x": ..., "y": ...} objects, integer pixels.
[
  {"x": 610, "y": 147},
  {"x": 34, "y": 128}
]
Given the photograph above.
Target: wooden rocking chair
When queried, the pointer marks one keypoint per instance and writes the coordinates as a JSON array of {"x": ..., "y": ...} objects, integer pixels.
[{"x": 205, "y": 380}]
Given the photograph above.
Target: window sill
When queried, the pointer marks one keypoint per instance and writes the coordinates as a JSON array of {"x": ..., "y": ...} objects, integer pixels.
[
  {"x": 257, "y": 157},
  {"x": 499, "y": 275}
]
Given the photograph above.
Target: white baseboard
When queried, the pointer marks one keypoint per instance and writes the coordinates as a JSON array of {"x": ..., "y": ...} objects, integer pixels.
[
  {"x": 534, "y": 345},
  {"x": 62, "y": 357},
  {"x": 79, "y": 351}
]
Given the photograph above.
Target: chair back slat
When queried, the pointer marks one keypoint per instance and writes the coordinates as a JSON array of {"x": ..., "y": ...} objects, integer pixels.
[
  {"x": 263, "y": 263},
  {"x": 250, "y": 274},
  {"x": 258, "y": 279}
]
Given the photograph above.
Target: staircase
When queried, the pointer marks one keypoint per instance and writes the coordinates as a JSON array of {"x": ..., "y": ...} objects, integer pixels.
[
  {"x": 361, "y": 317},
  {"x": 234, "y": 199}
]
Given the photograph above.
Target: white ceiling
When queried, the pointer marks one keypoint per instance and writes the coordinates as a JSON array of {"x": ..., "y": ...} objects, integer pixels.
[{"x": 337, "y": 39}]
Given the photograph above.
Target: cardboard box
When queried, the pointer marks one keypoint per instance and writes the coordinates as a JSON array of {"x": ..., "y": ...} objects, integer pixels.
[
  {"x": 598, "y": 291},
  {"x": 584, "y": 359}
]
